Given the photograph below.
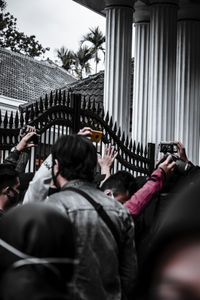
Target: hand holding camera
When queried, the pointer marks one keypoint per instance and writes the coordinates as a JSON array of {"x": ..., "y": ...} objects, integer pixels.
[
  {"x": 181, "y": 152},
  {"x": 25, "y": 142},
  {"x": 167, "y": 165},
  {"x": 32, "y": 135},
  {"x": 29, "y": 138},
  {"x": 182, "y": 164},
  {"x": 26, "y": 129}
]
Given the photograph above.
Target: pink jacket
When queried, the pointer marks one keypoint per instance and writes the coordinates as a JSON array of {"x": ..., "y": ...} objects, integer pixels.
[{"x": 144, "y": 195}]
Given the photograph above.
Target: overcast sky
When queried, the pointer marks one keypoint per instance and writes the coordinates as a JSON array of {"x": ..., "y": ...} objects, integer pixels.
[{"x": 55, "y": 23}]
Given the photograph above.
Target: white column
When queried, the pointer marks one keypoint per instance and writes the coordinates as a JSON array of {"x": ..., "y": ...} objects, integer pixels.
[
  {"x": 119, "y": 17},
  {"x": 141, "y": 68},
  {"x": 188, "y": 81},
  {"x": 162, "y": 73}
]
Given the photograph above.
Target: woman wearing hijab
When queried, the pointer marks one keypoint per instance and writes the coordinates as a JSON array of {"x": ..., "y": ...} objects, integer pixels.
[{"x": 36, "y": 253}]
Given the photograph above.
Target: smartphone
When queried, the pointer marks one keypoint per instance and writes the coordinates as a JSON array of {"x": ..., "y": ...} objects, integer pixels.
[{"x": 96, "y": 135}]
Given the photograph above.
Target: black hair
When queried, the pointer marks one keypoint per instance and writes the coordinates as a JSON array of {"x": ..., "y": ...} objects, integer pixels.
[
  {"x": 8, "y": 176},
  {"x": 24, "y": 179},
  {"x": 77, "y": 157},
  {"x": 120, "y": 183}
]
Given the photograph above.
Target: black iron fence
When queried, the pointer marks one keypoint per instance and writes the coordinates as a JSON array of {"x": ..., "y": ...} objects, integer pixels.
[{"x": 64, "y": 113}]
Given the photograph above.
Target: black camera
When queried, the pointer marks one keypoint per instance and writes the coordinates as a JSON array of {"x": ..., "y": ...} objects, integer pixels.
[
  {"x": 181, "y": 167},
  {"x": 168, "y": 147},
  {"x": 34, "y": 139}
]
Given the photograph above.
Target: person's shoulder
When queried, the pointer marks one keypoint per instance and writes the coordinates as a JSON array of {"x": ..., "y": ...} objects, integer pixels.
[
  {"x": 112, "y": 204},
  {"x": 55, "y": 200}
]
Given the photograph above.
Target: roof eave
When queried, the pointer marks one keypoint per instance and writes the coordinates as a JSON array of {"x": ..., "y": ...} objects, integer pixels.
[{"x": 96, "y": 6}]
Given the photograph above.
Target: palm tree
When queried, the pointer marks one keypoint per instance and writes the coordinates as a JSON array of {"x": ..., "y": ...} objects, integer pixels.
[
  {"x": 67, "y": 58},
  {"x": 96, "y": 38},
  {"x": 81, "y": 58}
]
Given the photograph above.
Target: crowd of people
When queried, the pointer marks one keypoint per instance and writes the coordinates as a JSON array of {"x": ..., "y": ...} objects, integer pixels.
[{"x": 66, "y": 234}]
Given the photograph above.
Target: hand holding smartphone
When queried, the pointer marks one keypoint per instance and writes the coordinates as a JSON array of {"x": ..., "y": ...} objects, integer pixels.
[{"x": 96, "y": 135}]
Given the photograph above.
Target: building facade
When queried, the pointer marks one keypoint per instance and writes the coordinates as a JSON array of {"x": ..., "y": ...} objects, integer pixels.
[{"x": 166, "y": 97}]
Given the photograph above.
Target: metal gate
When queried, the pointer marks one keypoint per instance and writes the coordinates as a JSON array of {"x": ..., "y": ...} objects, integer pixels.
[{"x": 65, "y": 113}]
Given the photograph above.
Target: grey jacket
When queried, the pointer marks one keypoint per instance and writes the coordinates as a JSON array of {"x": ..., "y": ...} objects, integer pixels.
[{"x": 104, "y": 272}]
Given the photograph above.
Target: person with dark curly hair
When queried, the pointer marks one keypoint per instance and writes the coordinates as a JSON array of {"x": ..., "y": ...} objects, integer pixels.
[
  {"x": 107, "y": 268},
  {"x": 76, "y": 157}
]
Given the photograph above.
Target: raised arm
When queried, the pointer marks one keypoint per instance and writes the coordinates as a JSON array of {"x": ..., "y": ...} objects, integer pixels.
[
  {"x": 154, "y": 184},
  {"x": 106, "y": 162},
  {"x": 18, "y": 157},
  {"x": 39, "y": 187}
]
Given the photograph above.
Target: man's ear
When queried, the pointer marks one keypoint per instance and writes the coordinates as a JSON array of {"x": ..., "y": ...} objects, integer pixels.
[
  {"x": 56, "y": 166},
  {"x": 127, "y": 195},
  {"x": 108, "y": 192}
]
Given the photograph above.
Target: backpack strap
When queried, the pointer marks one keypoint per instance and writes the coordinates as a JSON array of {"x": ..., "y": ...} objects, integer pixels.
[{"x": 101, "y": 212}]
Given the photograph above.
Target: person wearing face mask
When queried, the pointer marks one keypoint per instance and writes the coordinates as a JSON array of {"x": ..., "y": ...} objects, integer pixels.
[
  {"x": 42, "y": 184},
  {"x": 104, "y": 245},
  {"x": 9, "y": 183},
  {"x": 104, "y": 230}
]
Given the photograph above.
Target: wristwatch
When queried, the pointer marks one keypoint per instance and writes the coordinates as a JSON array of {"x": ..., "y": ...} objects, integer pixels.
[{"x": 14, "y": 150}]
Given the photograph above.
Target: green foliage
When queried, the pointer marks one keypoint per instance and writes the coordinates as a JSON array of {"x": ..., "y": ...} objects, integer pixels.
[
  {"x": 2, "y": 4},
  {"x": 67, "y": 57},
  {"x": 97, "y": 39},
  {"x": 78, "y": 62},
  {"x": 14, "y": 40},
  {"x": 82, "y": 57}
]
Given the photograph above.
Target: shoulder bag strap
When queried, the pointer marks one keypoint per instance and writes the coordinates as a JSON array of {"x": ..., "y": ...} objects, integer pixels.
[{"x": 101, "y": 212}]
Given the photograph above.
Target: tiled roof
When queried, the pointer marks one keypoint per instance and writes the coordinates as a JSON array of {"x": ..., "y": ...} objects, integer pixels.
[
  {"x": 25, "y": 78},
  {"x": 91, "y": 87}
]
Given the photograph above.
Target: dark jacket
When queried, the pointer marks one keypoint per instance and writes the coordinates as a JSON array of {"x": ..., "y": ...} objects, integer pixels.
[
  {"x": 18, "y": 160},
  {"x": 179, "y": 224}
]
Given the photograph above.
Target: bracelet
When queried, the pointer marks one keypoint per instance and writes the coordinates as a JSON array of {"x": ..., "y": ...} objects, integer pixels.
[{"x": 163, "y": 173}]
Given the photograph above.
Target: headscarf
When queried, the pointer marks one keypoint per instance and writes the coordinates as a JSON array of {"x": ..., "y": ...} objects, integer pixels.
[{"x": 41, "y": 232}]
